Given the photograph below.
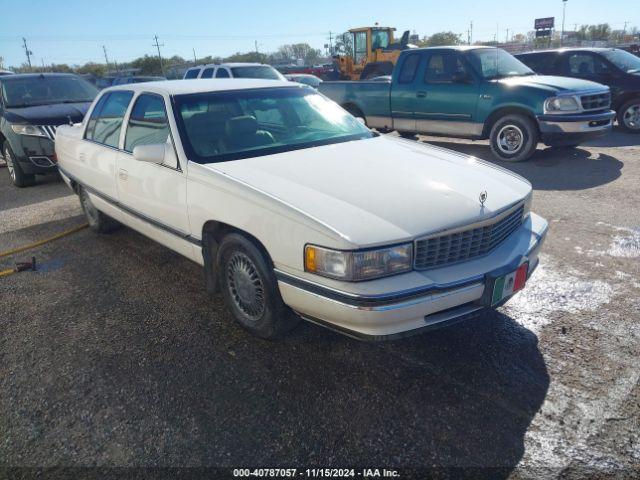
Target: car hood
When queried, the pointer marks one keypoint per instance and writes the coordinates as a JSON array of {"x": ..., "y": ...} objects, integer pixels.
[
  {"x": 55, "y": 114},
  {"x": 552, "y": 83},
  {"x": 383, "y": 189}
]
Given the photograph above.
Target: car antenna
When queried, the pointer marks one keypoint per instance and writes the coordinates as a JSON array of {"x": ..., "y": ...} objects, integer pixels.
[{"x": 70, "y": 121}]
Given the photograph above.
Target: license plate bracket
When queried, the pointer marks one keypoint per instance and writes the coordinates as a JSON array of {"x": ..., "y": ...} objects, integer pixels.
[{"x": 502, "y": 286}]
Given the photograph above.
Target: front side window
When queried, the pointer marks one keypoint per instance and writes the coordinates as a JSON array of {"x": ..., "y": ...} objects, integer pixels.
[
  {"x": 207, "y": 73},
  {"x": 148, "y": 123},
  {"x": 105, "y": 122},
  {"x": 409, "y": 68},
  {"x": 221, "y": 126},
  {"x": 625, "y": 61},
  {"x": 441, "y": 68}
]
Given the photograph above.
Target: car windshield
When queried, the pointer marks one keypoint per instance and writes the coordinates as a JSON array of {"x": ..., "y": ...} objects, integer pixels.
[
  {"x": 222, "y": 126},
  {"x": 625, "y": 61},
  {"x": 257, "y": 71},
  {"x": 494, "y": 63},
  {"x": 46, "y": 90}
]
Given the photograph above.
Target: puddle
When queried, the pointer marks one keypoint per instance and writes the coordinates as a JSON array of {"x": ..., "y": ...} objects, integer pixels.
[{"x": 550, "y": 290}]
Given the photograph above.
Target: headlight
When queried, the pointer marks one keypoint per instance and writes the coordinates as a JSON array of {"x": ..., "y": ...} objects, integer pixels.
[
  {"x": 561, "y": 104},
  {"x": 358, "y": 265},
  {"x": 30, "y": 130}
]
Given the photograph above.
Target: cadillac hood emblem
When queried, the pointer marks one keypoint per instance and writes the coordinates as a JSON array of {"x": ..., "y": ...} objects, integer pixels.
[{"x": 482, "y": 198}]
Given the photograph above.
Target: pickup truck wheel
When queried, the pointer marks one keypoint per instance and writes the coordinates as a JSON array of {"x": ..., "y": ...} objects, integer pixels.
[
  {"x": 98, "y": 221},
  {"x": 513, "y": 138},
  {"x": 629, "y": 116},
  {"x": 18, "y": 177},
  {"x": 250, "y": 289},
  {"x": 408, "y": 135}
]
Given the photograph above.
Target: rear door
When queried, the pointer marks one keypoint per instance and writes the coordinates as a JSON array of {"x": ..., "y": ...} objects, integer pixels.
[
  {"x": 403, "y": 92},
  {"x": 447, "y": 95},
  {"x": 97, "y": 152}
]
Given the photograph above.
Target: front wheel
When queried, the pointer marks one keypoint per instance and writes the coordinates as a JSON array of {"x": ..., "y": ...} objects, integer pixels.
[
  {"x": 513, "y": 138},
  {"x": 18, "y": 177},
  {"x": 629, "y": 116},
  {"x": 250, "y": 289},
  {"x": 408, "y": 135}
]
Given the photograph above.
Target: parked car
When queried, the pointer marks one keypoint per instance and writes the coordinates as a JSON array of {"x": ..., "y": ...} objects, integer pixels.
[
  {"x": 32, "y": 106},
  {"x": 136, "y": 79},
  {"x": 305, "y": 79},
  {"x": 6, "y": 72},
  {"x": 292, "y": 205},
  {"x": 234, "y": 70},
  {"x": 479, "y": 93},
  {"x": 618, "y": 69},
  {"x": 104, "y": 82}
]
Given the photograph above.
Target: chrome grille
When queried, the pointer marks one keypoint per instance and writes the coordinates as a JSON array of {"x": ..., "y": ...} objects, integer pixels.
[
  {"x": 49, "y": 131},
  {"x": 597, "y": 101},
  {"x": 446, "y": 249}
]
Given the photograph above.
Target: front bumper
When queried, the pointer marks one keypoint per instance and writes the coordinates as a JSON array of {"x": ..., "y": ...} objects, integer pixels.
[
  {"x": 36, "y": 155},
  {"x": 558, "y": 130},
  {"x": 453, "y": 294}
]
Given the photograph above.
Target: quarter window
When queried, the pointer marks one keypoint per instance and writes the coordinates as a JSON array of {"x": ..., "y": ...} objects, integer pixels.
[
  {"x": 409, "y": 68},
  {"x": 105, "y": 122},
  {"x": 207, "y": 73}
]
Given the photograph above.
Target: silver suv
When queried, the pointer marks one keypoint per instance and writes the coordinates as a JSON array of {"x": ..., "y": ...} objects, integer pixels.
[{"x": 234, "y": 70}]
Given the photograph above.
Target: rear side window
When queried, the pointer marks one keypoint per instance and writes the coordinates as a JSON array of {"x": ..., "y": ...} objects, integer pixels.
[
  {"x": 539, "y": 63},
  {"x": 105, "y": 122},
  {"x": 148, "y": 123},
  {"x": 409, "y": 68},
  {"x": 207, "y": 73},
  {"x": 586, "y": 64},
  {"x": 193, "y": 73},
  {"x": 222, "y": 73}
]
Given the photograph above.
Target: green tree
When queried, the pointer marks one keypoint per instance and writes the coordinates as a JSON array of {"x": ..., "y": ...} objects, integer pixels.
[
  {"x": 256, "y": 57},
  {"x": 343, "y": 44},
  {"x": 440, "y": 39},
  {"x": 298, "y": 51}
]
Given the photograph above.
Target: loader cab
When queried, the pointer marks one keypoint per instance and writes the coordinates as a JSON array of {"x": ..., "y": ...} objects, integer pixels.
[{"x": 367, "y": 40}]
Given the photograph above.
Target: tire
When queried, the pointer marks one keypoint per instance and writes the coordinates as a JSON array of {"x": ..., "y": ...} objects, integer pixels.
[
  {"x": 250, "y": 289},
  {"x": 98, "y": 221},
  {"x": 408, "y": 135},
  {"x": 356, "y": 112},
  {"x": 629, "y": 116},
  {"x": 18, "y": 177},
  {"x": 513, "y": 138}
]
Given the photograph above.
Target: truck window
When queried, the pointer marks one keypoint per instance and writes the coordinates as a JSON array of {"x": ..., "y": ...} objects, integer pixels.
[
  {"x": 207, "y": 73},
  {"x": 192, "y": 73},
  {"x": 584, "y": 63},
  {"x": 379, "y": 39},
  {"x": 409, "y": 68},
  {"x": 360, "y": 47},
  {"x": 442, "y": 66},
  {"x": 222, "y": 73}
]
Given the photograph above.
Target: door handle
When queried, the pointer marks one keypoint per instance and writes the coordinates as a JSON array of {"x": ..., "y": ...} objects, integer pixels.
[
  {"x": 421, "y": 94},
  {"x": 81, "y": 156},
  {"x": 123, "y": 174}
]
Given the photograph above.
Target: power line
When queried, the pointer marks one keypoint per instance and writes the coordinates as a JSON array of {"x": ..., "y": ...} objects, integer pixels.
[{"x": 158, "y": 45}]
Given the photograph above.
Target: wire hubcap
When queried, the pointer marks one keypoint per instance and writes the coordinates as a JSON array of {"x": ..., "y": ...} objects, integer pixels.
[
  {"x": 632, "y": 117},
  {"x": 510, "y": 139},
  {"x": 10, "y": 167},
  {"x": 245, "y": 286}
]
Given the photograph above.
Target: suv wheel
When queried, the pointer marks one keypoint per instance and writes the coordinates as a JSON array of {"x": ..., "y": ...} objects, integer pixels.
[
  {"x": 513, "y": 138},
  {"x": 18, "y": 177},
  {"x": 629, "y": 116},
  {"x": 98, "y": 221},
  {"x": 250, "y": 289}
]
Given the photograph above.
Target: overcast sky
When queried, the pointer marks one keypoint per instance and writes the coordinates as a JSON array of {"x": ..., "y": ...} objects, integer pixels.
[{"x": 74, "y": 31}]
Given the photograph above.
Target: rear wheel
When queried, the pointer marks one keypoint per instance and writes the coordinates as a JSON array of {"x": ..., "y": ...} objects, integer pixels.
[
  {"x": 18, "y": 177},
  {"x": 250, "y": 289},
  {"x": 513, "y": 138},
  {"x": 629, "y": 116},
  {"x": 408, "y": 135},
  {"x": 98, "y": 221}
]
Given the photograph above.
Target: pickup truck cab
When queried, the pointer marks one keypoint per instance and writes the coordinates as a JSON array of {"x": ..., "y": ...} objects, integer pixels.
[
  {"x": 618, "y": 69},
  {"x": 292, "y": 205},
  {"x": 479, "y": 93}
]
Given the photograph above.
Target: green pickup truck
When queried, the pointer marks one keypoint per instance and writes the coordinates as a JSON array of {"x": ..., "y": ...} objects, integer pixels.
[{"x": 479, "y": 93}]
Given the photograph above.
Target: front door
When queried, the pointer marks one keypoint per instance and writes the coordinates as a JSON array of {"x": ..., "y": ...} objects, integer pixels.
[
  {"x": 449, "y": 97},
  {"x": 403, "y": 93},
  {"x": 153, "y": 193}
]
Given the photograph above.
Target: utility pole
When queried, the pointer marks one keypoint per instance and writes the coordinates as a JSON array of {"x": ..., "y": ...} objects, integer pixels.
[
  {"x": 470, "y": 32},
  {"x": 106, "y": 58},
  {"x": 158, "y": 45},
  {"x": 330, "y": 43},
  {"x": 255, "y": 42},
  {"x": 564, "y": 10},
  {"x": 44, "y": 69},
  {"x": 27, "y": 51},
  {"x": 506, "y": 38},
  {"x": 194, "y": 56}
]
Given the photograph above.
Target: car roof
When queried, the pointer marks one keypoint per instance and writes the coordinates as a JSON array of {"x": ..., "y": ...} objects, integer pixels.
[
  {"x": 232, "y": 64},
  {"x": 183, "y": 87},
  {"x": 571, "y": 49},
  {"x": 462, "y": 48}
]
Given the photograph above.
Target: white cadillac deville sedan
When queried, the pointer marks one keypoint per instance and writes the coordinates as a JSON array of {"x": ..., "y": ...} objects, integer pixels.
[{"x": 294, "y": 207}]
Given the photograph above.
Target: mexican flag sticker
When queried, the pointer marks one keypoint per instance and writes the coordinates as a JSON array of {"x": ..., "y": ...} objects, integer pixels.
[{"x": 509, "y": 284}]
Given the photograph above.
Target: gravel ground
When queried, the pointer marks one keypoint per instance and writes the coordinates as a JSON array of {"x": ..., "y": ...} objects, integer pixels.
[{"x": 112, "y": 354}]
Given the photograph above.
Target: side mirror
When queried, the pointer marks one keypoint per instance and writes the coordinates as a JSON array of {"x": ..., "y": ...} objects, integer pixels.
[
  {"x": 150, "y": 153},
  {"x": 461, "y": 77}
]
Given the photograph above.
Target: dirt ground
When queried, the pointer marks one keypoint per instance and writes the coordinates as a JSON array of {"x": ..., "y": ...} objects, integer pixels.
[{"x": 112, "y": 354}]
